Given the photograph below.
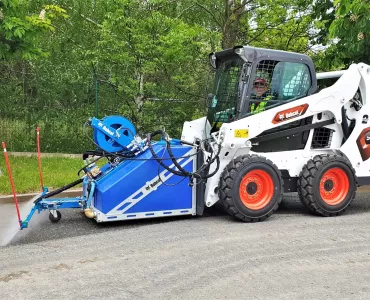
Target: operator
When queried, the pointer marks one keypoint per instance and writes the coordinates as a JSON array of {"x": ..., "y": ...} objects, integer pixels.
[{"x": 260, "y": 95}]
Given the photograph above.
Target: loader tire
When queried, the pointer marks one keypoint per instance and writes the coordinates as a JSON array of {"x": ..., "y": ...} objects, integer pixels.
[
  {"x": 327, "y": 185},
  {"x": 250, "y": 188}
]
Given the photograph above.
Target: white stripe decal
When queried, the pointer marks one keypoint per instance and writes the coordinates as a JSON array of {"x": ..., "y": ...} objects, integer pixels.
[{"x": 148, "y": 188}]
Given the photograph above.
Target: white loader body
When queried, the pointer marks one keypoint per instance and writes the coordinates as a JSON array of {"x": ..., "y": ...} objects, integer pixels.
[{"x": 235, "y": 137}]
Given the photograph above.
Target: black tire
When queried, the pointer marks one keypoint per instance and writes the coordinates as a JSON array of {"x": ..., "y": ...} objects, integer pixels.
[
  {"x": 231, "y": 179},
  {"x": 55, "y": 219},
  {"x": 309, "y": 185}
]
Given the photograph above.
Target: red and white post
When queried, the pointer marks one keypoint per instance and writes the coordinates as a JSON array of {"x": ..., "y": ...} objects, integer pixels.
[{"x": 12, "y": 183}]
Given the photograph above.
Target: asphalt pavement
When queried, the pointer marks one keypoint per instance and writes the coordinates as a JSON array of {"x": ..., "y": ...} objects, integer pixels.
[{"x": 292, "y": 255}]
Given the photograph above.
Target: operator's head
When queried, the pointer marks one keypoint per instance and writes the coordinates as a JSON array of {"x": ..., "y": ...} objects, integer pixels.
[{"x": 260, "y": 86}]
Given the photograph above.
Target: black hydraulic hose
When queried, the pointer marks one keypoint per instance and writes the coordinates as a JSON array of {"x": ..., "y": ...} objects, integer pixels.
[
  {"x": 62, "y": 189},
  {"x": 217, "y": 158},
  {"x": 186, "y": 143},
  {"x": 163, "y": 134},
  {"x": 181, "y": 171},
  {"x": 215, "y": 171},
  {"x": 345, "y": 124},
  {"x": 201, "y": 169}
]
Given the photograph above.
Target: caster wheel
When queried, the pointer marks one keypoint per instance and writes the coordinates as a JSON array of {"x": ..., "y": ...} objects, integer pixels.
[{"x": 55, "y": 219}]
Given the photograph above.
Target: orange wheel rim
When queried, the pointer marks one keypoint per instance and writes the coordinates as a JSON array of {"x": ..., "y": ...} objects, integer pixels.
[
  {"x": 256, "y": 189},
  {"x": 334, "y": 186}
]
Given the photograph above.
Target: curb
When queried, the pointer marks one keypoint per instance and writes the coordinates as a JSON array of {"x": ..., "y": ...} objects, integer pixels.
[
  {"x": 32, "y": 154},
  {"x": 26, "y": 197}
]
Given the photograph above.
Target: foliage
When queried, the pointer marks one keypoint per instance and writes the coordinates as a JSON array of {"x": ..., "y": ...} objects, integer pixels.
[
  {"x": 352, "y": 27},
  {"x": 343, "y": 26},
  {"x": 21, "y": 31},
  {"x": 147, "y": 60},
  {"x": 282, "y": 25}
]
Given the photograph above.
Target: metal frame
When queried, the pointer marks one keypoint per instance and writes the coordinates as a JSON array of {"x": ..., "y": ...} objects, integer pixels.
[
  {"x": 53, "y": 204},
  {"x": 252, "y": 56},
  {"x": 256, "y": 55}
]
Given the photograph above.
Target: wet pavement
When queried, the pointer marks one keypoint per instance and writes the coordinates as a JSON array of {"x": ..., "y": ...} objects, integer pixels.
[{"x": 9, "y": 225}]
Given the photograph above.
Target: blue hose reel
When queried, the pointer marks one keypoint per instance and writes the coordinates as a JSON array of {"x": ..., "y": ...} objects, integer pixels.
[{"x": 113, "y": 133}]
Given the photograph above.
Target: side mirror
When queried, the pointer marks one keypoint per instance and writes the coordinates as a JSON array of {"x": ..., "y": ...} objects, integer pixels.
[{"x": 212, "y": 60}]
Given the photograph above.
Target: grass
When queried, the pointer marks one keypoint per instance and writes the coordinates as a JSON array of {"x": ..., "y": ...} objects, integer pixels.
[
  {"x": 55, "y": 134},
  {"x": 56, "y": 172}
]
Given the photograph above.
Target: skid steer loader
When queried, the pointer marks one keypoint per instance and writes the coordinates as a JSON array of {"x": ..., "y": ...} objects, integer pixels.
[
  {"x": 316, "y": 143},
  {"x": 269, "y": 130}
]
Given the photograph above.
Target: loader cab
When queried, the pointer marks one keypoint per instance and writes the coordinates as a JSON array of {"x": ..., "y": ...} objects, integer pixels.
[{"x": 248, "y": 80}]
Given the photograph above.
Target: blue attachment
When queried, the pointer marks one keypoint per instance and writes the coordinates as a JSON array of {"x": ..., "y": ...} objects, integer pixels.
[
  {"x": 131, "y": 189},
  {"x": 134, "y": 187},
  {"x": 113, "y": 133},
  {"x": 175, "y": 142},
  {"x": 51, "y": 204},
  {"x": 92, "y": 191},
  {"x": 24, "y": 224}
]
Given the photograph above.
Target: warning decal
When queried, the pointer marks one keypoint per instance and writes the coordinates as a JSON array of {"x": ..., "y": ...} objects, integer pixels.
[{"x": 241, "y": 133}]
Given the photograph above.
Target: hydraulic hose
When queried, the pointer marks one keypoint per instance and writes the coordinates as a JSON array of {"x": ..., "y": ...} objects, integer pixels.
[
  {"x": 165, "y": 136},
  {"x": 182, "y": 172},
  {"x": 345, "y": 124},
  {"x": 62, "y": 189}
]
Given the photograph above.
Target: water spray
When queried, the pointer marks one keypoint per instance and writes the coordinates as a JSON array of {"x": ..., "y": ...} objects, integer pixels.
[{"x": 12, "y": 184}]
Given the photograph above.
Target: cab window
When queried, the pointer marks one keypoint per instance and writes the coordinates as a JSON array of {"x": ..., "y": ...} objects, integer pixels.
[{"x": 293, "y": 80}]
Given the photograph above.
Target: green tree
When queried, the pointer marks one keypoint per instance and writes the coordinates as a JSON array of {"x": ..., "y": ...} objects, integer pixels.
[
  {"x": 343, "y": 27},
  {"x": 22, "y": 31},
  {"x": 352, "y": 26},
  {"x": 146, "y": 60}
]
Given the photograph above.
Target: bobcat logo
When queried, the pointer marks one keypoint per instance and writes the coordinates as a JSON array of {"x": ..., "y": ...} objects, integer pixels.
[{"x": 290, "y": 113}]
